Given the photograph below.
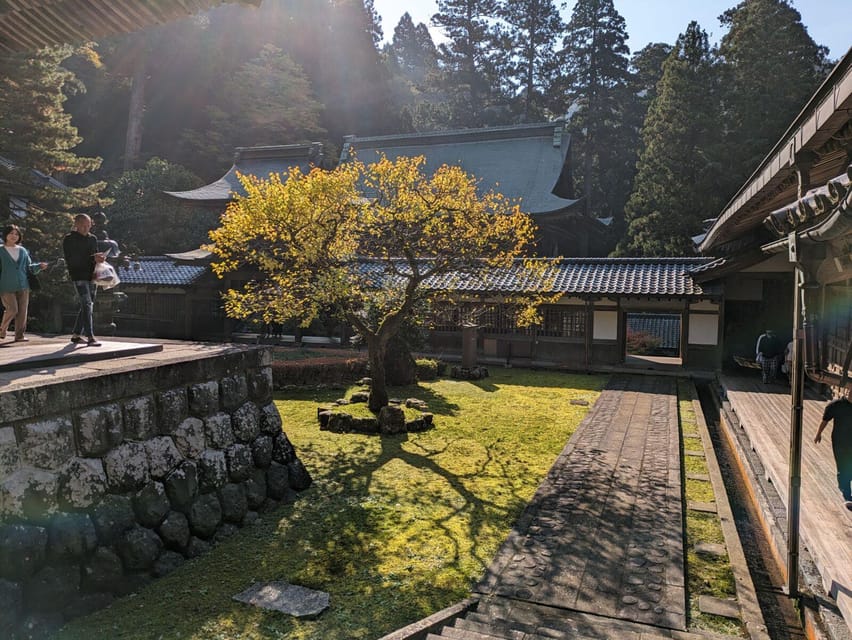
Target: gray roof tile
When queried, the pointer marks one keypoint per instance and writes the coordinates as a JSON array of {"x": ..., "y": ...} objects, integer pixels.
[
  {"x": 666, "y": 327},
  {"x": 161, "y": 271},
  {"x": 254, "y": 161},
  {"x": 571, "y": 276},
  {"x": 526, "y": 162},
  {"x": 582, "y": 276}
]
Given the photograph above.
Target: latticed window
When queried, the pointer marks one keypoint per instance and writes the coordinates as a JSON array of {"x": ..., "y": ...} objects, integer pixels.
[
  {"x": 563, "y": 322},
  {"x": 492, "y": 318},
  {"x": 501, "y": 319},
  {"x": 448, "y": 319}
]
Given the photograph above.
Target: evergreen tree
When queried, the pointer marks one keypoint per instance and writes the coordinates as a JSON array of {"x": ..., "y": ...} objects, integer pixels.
[
  {"x": 192, "y": 62},
  {"x": 347, "y": 71},
  {"x": 412, "y": 60},
  {"x": 145, "y": 220},
  {"x": 528, "y": 60},
  {"x": 374, "y": 22},
  {"x": 268, "y": 100},
  {"x": 646, "y": 67},
  {"x": 771, "y": 67},
  {"x": 470, "y": 77},
  {"x": 36, "y": 133},
  {"x": 596, "y": 94},
  {"x": 676, "y": 185},
  {"x": 412, "y": 51}
]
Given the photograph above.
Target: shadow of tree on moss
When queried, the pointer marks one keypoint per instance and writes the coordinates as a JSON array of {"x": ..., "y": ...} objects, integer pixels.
[{"x": 394, "y": 528}]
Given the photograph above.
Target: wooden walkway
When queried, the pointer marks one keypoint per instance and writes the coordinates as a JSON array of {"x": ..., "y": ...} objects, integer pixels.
[
  {"x": 826, "y": 525},
  {"x": 603, "y": 534}
]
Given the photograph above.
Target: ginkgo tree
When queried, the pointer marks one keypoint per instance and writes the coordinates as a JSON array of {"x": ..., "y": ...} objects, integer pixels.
[{"x": 366, "y": 240}]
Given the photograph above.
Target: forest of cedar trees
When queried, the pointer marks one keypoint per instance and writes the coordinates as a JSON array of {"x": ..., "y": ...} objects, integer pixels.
[{"x": 661, "y": 137}]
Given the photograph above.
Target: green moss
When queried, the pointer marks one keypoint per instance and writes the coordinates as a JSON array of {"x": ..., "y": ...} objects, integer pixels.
[
  {"x": 394, "y": 528},
  {"x": 693, "y": 464},
  {"x": 705, "y": 575},
  {"x": 699, "y": 491}
]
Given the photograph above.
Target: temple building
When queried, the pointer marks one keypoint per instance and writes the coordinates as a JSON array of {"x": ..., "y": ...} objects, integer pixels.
[
  {"x": 529, "y": 163},
  {"x": 253, "y": 161}
]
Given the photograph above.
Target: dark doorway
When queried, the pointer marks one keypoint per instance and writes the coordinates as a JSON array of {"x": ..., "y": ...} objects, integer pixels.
[{"x": 745, "y": 319}]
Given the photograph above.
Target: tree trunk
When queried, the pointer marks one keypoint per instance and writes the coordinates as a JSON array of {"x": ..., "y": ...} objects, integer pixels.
[
  {"x": 400, "y": 367},
  {"x": 136, "y": 111},
  {"x": 378, "y": 388}
]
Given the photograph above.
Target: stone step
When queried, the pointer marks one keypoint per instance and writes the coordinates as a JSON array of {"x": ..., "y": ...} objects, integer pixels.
[
  {"x": 454, "y": 633},
  {"x": 568, "y": 624},
  {"x": 498, "y": 626},
  {"x": 552, "y": 622},
  {"x": 512, "y": 631}
]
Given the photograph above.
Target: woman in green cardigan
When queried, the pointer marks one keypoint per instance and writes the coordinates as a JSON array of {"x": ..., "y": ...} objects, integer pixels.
[{"x": 15, "y": 263}]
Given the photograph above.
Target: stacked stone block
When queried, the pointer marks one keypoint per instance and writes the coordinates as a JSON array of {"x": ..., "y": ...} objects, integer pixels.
[{"x": 96, "y": 499}]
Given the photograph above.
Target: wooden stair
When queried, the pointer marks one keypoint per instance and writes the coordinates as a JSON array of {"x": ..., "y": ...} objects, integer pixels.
[{"x": 499, "y": 618}]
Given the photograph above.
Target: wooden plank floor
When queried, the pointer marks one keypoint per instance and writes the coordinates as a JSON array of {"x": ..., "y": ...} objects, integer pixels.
[
  {"x": 826, "y": 525},
  {"x": 603, "y": 533}
]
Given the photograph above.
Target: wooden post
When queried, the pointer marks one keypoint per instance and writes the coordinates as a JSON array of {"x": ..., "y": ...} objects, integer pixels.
[
  {"x": 684, "y": 334},
  {"x": 794, "y": 486},
  {"x": 795, "y": 477},
  {"x": 468, "y": 347},
  {"x": 590, "y": 328}
]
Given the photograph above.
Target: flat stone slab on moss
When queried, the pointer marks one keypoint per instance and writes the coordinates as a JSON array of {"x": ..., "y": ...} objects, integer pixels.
[
  {"x": 702, "y": 477},
  {"x": 711, "y": 549},
  {"x": 282, "y": 596},
  {"x": 703, "y": 507},
  {"x": 719, "y": 607}
]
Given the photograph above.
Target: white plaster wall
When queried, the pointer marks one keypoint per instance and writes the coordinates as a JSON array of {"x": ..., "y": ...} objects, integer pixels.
[
  {"x": 703, "y": 328},
  {"x": 606, "y": 325}
]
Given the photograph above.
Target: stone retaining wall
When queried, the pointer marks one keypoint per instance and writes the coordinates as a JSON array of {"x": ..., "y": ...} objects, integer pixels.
[{"x": 111, "y": 481}]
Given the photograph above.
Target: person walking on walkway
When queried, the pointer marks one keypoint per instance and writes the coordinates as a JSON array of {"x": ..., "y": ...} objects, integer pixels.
[
  {"x": 81, "y": 253},
  {"x": 15, "y": 265},
  {"x": 769, "y": 352},
  {"x": 840, "y": 411}
]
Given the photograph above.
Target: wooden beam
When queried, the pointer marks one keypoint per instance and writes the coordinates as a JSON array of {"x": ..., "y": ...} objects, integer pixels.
[{"x": 27, "y": 25}]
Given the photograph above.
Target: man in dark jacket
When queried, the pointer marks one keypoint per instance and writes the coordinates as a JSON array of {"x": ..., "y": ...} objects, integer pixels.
[
  {"x": 81, "y": 253},
  {"x": 769, "y": 350}
]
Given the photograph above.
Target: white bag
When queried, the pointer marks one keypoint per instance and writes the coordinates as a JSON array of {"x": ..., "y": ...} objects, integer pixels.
[{"x": 106, "y": 276}]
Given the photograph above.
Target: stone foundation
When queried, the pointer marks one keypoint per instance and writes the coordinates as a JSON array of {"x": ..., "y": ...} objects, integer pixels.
[{"x": 110, "y": 481}]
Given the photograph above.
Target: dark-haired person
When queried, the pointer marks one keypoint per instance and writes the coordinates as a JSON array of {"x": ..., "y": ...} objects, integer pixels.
[
  {"x": 769, "y": 352},
  {"x": 81, "y": 253},
  {"x": 840, "y": 411},
  {"x": 15, "y": 264}
]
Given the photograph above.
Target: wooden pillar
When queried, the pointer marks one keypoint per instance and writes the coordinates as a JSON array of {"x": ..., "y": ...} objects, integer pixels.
[
  {"x": 590, "y": 332},
  {"x": 468, "y": 347},
  {"x": 684, "y": 334},
  {"x": 188, "y": 304}
]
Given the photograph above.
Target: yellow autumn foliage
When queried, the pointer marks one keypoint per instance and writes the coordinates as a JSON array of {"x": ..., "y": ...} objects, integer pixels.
[{"x": 305, "y": 236}]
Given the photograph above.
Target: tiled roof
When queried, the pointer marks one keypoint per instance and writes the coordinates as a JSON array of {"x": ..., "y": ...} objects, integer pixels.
[
  {"x": 666, "y": 327},
  {"x": 254, "y": 161},
  {"x": 581, "y": 276},
  {"x": 527, "y": 162},
  {"x": 572, "y": 276},
  {"x": 816, "y": 205},
  {"x": 160, "y": 271},
  {"x": 38, "y": 178}
]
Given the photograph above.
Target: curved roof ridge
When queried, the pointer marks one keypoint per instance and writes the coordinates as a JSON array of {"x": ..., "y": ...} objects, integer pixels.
[{"x": 455, "y": 134}]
